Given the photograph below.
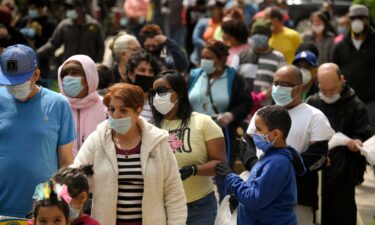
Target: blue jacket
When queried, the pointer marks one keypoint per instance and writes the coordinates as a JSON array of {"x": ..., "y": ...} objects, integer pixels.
[{"x": 269, "y": 196}]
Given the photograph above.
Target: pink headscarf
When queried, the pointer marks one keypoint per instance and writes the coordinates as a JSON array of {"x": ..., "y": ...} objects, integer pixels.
[{"x": 92, "y": 78}]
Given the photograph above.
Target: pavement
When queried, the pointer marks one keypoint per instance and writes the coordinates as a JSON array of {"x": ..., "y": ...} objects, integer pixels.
[{"x": 365, "y": 198}]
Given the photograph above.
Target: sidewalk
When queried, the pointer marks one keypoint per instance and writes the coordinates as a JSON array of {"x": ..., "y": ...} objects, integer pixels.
[{"x": 365, "y": 197}]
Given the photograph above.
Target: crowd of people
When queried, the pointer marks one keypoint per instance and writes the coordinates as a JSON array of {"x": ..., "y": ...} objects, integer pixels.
[{"x": 151, "y": 115}]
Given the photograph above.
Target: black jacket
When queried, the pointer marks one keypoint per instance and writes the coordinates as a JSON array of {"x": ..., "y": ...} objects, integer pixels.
[
  {"x": 349, "y": 116},
  {"x": 358, "y": 66}
]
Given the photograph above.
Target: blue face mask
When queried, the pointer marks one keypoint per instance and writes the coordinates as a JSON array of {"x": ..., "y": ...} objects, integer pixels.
[
  {"x": 282, "y": 95},
  {"x": 71, "y": 14},
  {"x": 261, "y": 142},
  {"x": 72, "y": 86},
  {"x": 33, "y": 13},
  {"x": 121, "y": 125},
  {"x": 208, "y": 65},
  {"x": 259, "y": 41}
]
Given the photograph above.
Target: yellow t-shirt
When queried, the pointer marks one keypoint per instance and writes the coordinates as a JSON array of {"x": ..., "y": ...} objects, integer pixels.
[
  {"x": 286, "y": 42},
  {"x": 190, "y": 146}
]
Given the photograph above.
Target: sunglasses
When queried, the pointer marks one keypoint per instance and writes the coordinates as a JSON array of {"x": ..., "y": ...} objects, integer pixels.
[{"x": 161, "y": 91}]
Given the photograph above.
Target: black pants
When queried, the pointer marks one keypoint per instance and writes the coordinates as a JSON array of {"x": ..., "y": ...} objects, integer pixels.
[{"x": 339, "y": 207}]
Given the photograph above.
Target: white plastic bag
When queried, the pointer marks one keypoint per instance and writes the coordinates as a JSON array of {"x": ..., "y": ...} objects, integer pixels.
[
  {"x": 224, "y": 216},
  {"x": 368, "y": 150},
  {"x": 338, "y": 139}
]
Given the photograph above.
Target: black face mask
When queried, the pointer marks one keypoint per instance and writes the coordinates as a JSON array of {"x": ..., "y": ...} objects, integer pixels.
[{"x": 144, "y": 82}]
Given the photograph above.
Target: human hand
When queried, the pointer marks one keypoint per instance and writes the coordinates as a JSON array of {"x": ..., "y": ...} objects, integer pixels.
[
  {"x": 188, "y": 171},
  {"x": 161, "y": 39},
  {"x": 354, "y": 145},
  {"x": 222, "y": 169},
  {"x": 225, "y": 119}
]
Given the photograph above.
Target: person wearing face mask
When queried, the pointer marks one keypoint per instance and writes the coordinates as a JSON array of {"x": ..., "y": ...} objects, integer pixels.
[
  {"x": 270, "y": 193},
  {"x": 306, "y": 61},
  {"x": 37, "y": 27},
  {"x": 321, "y": 35},
  {"x": 78, "y": 80},
  {"x": 75, "y": 189},
  {"x": 36, "y": 130},
  {"x": 142, "y": 68},
  {"x": 197, "y": 140},
  {"x": 309, "y": 135},
  {"x": 219, "y": 91},
  {"x": 78, "y": 32},
  {"x": 123, "y": 46},
  {"x": 168, "y": 53},
  {"x": 346, "y": 114},
  {"x": 136, "y": 178},
  {"x": 259, "y": 64},
  {"x": 354, "y": 56}
]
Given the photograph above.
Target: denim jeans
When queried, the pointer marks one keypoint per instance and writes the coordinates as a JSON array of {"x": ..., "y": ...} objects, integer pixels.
[{"x": 202, "y": 211}]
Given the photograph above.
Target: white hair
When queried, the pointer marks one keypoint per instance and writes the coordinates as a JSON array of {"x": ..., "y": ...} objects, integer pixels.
[{"x": 121, "y": 42}]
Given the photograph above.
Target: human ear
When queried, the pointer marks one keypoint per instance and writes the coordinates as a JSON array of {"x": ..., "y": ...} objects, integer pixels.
[{"x": 82, "y": 198}]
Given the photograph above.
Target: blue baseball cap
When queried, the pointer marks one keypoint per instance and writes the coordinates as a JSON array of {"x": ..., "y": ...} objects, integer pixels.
[
  {"x": 17, "y": 64},
  {"x": 308, "y": 56}
]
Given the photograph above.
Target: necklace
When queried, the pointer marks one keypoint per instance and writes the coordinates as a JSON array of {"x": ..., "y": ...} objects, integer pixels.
[{"x": 119, "y": 146}]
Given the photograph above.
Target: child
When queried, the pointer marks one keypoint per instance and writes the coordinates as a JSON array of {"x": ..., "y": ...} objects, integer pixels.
[
  {"x": 270, "y": 193},
  {"x": 78, "y": 188},
  {"x": 49, "y": 208}
]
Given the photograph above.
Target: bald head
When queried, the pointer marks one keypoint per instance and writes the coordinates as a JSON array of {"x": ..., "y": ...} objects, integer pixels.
[
  {"x": 289, "y": 73},
  {"x": 330, "y": 79}
]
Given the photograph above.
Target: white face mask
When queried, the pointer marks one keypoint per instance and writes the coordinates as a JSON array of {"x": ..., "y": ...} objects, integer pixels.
[
  {"x": 72, "y": 14},
  {"x": 163, "y": 104},
  {"x": 329, "y": 100},
  {"x": 318, "y": 28},
  {"x": 73, "y": 213},
  {"x": 20, "y": 91},
  {"x": 357, "y": 26},
  {"x": 306, "y": 76}
]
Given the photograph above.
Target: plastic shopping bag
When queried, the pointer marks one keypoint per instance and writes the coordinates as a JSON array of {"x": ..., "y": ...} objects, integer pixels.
[
  {"x": 368, "y": 150},
  {"x": 338, "y": 139},
  {"x": 224, "y": 214}
]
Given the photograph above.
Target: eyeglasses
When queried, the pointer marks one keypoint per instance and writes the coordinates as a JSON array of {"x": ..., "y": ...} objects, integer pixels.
[
  {"x": 161, "y": 91},
  {"x": 284, "y": 84}
]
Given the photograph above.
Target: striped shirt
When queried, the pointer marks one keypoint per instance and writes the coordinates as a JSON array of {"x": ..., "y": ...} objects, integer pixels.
[
  {"x": 259, "y": 69},
  {"x": 130, "y": 186}
]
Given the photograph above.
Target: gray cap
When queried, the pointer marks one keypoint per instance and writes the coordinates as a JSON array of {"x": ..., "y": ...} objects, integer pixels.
[{"x": 358, "y": 10}]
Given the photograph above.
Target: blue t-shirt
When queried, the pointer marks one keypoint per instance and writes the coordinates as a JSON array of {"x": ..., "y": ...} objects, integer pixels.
[{"x": 30, "y": 133}]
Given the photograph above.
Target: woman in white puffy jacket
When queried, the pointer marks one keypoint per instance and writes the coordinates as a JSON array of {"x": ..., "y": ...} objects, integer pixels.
[{"x": 136, "y": 179}]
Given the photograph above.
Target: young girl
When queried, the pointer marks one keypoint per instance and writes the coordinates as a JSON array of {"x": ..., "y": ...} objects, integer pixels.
[
  {"x": 78, "y": 189},
  {"x": 48, "y": 208}
]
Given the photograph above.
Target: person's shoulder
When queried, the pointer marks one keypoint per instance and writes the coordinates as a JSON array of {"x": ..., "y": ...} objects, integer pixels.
[
  {"x": 47, "y": 93},
  {"x": 291, "y": 32}
]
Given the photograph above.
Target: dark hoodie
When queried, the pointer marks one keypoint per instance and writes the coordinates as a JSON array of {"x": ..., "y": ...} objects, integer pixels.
[
  {"x": 349, "y": 116},
  {"x": 270, "y": 194}
]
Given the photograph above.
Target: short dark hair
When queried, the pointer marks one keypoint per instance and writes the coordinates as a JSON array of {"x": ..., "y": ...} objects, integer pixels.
[
  {"x": 276, "y": 13},
  {"x": 106, "y": 76},
  {"x": 76, "y": 179},
  {"x": 236, "y": 29},
  {"x": 218, "y": 48},
  {"x": 179, "y": 85},
  {"x": 139, "y": 57},
  {"x": 276, "y": 117},
  {"x": 37, "y": 3}
]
